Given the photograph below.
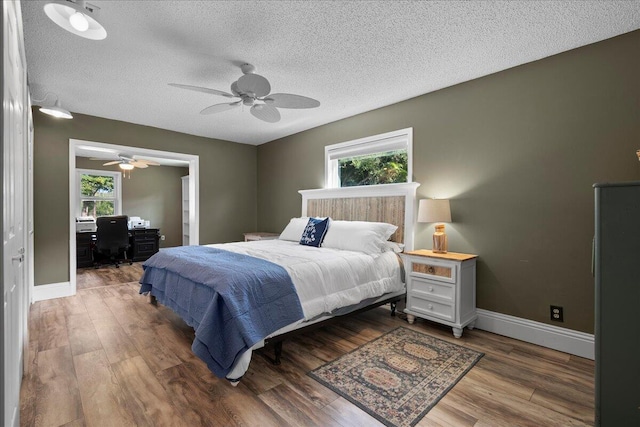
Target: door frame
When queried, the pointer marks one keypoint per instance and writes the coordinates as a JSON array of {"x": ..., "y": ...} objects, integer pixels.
[
  {"x": 194, "y": 193},
  {"x": 16, "y": 122}
]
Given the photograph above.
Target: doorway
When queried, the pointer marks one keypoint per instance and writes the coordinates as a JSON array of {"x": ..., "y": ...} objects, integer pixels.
[{"x": 77, "y": 147}]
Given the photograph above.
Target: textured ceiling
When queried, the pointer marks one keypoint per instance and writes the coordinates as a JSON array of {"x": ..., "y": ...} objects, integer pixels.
[{"x": 351, "y": 56}]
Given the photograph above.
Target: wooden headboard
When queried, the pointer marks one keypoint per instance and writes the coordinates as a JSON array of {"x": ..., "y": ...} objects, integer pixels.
[{"x": 392, "y": 203}]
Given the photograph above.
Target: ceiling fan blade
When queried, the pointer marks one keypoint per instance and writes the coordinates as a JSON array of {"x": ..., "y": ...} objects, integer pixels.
[
  {"x": 218, "y": 108},
  {"x": 139, "y": 165},
  {"x": 288, "y": 100},
  {"x": 254, "y": 84},
  {"x": 203, "y": 89},
  {"x": 115, "y": 162},
  {"x": 265, "y": 112},
  {"x": 146, "y": 162},
  {"x": 234, "y": 88}
]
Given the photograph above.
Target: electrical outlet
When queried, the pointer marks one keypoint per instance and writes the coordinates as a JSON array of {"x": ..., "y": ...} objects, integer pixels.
[
  {"x": 557, "y": 313},
  {"x": 162, "y": 237}
]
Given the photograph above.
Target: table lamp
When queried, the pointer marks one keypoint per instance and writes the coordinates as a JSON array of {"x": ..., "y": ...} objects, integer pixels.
[{"x": 438, "y": 211}]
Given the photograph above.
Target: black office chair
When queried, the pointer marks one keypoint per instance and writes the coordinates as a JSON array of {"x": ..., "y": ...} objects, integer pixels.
[{"x": 112, "y": 238}]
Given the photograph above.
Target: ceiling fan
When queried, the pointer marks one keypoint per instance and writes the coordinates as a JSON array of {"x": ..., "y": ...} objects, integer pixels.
[
  {"x": 128, "y": 163},
  {"x": 253, "y": 91}
]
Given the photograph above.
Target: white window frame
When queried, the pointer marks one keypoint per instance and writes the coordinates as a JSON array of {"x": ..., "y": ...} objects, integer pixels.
[
  {"x": 396, "y": 140},
  {"x": 117, "y": 186}
]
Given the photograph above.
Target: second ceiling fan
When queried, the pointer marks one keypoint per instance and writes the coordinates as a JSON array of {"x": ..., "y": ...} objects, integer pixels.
[
  {"x": 254, "y": 91},
  {"x": 127, "y": 162}
]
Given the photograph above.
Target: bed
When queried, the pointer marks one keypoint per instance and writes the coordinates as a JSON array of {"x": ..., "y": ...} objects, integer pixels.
[{"x": 240, "y": 296}]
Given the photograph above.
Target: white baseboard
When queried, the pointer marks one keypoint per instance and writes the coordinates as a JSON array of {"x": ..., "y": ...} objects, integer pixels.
[
  {"x": 561, "y": 339},
  {"x": 52, "y": 290}
]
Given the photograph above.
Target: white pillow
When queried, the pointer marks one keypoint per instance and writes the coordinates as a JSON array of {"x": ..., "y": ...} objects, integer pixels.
[
  {"x": 293, "y": 231},
  {"x": 390, "y": 246},
  {"x": 361, "y": 236}
]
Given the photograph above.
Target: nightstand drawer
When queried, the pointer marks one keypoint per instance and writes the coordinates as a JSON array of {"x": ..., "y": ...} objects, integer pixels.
[
  {"x": 434, "y": 269},
  {"x": 430, "y": 289},
  {"x": 431, "y": 308}
]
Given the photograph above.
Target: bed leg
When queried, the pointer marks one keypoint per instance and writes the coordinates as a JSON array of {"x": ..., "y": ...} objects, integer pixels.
[
  {"x": 393, "y": 309},
  {"x": 278, "y": 352},
  {"x": 153, "y": 300}
]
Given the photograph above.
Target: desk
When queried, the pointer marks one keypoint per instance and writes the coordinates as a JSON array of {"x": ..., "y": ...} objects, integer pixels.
[
  {"x": 84, "y": 243},
  {"x": 144, "y": 243}
]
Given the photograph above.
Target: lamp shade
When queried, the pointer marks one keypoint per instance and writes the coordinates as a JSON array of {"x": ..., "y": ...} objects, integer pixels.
[{"x": 434, "y": 210}]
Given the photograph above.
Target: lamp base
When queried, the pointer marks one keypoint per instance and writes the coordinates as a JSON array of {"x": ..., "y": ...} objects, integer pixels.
[{"x": 440, "y": 240}]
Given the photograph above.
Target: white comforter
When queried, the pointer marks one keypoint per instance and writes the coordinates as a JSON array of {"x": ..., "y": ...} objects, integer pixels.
[{"x": 327, "y": 279}]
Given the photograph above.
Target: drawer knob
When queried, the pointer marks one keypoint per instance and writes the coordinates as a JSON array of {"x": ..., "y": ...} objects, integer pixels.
[
  {"x": 431, "y": 270},
  {"x": 430, "y": 306},
  {"x": 430, "y": 288}
]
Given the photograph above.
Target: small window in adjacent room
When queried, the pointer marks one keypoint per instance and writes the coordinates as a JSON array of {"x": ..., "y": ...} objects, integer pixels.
[
  {"x": 98, "y": 193},
  {"x": 378, "y": 159}
]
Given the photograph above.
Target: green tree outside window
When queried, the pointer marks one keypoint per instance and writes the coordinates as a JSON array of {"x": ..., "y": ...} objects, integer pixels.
[
  {"x": 379, "y": 168},
  {"x": 96, "y": 187}
]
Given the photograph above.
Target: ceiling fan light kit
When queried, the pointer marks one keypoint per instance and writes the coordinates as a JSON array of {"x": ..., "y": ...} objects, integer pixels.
[
  {"x": 254, "y": 91},
  {"x": 128, "y": 162},
  {"x": 77, "y": 17}
]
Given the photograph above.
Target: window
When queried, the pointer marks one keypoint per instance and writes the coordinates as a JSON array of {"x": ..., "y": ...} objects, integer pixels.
[
  {"x": 378, "y": 159},
  {"x": 99, "y": 193}
]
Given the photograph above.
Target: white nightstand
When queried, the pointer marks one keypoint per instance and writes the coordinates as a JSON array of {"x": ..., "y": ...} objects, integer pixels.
[
  {"x": 441, "y": 288},
  {"x": 259, "y": 235}
]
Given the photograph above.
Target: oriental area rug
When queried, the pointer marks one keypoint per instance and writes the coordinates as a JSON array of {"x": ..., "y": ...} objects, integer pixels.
[{"x": 398, "y": 377}]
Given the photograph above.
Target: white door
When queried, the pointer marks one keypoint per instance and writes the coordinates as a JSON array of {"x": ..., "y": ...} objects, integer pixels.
[{"x": 14, "y": 143}]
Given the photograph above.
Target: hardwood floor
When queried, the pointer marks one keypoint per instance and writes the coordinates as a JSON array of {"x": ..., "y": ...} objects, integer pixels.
[
  {"x": 107, "y": 275},
  {"x": 106, "y": 357}
]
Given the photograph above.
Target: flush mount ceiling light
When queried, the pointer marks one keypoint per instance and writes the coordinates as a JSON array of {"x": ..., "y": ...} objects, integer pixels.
[
  {"x": 56, "y": 110},
  {"x": 77, "y": 17}
]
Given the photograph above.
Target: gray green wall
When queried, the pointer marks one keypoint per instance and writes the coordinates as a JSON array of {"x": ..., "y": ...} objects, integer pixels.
[
  {"x": 517, "y": 152},
  {"x": 154, "y": 194},
  {"x": 227, "y": 182}
]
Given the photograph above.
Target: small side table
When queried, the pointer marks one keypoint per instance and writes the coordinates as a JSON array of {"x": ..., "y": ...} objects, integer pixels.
[
  {"x": 441, "y": 288},
  {"x": 259, "y": 235}
]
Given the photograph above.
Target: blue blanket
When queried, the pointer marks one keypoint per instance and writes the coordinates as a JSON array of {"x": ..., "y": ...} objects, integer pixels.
[{"x": 231, "y": 300}]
